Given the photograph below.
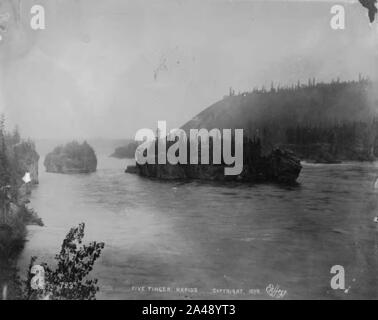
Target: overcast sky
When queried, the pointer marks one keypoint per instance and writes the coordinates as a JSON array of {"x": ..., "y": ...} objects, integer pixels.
[{"x": 109, "y": 68}]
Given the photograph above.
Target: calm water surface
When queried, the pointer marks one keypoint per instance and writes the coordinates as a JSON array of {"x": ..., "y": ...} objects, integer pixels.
[{"x": 216, "y": 236}]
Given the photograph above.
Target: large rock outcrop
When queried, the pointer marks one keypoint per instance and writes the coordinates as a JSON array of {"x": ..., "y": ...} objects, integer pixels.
[
  {"x": 71, "y": 158},
  {"x": 125, "y": 152},
  {"x": 278, "y": 166},
  {"x": 26, "y": 158}
]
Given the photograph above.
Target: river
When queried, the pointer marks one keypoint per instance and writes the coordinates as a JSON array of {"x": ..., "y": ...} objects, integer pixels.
[{"x": 194, "y": 240}]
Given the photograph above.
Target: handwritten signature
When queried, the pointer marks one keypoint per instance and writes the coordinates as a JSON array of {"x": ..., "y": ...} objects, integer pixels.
[{"x": 274, "y": 291}]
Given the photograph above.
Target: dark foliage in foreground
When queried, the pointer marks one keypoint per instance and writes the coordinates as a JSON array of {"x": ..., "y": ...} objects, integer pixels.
[
  {"x": 72, "y": 158},
  {"x": 16, "y": 157},
  {"x": 68, "y": 281}
]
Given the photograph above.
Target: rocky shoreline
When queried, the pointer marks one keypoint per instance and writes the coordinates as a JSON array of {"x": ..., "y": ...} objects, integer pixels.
[{"x": 16, "y": 215}]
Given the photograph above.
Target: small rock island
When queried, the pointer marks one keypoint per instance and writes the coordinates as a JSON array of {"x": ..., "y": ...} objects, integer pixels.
[{"x": 71, "y": 158}]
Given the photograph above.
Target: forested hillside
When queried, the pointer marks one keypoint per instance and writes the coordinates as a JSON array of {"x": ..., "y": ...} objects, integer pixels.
[{"x": 319, "y": 121}]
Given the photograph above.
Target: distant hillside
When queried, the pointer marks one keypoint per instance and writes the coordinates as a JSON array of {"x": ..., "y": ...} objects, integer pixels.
[
  {"x": 127, "y": 151},
  {"x": 339, "y": 115}
]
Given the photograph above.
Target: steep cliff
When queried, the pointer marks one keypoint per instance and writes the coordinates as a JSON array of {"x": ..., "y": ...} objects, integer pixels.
[
  {"x": 26, "y": 158},
  {"x": 278, "y": 166},
  {"x": 17, "y": 157}
]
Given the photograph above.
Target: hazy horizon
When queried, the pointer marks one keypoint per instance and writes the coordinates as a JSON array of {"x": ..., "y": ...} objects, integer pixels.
[{"x": 105, "y": 70}]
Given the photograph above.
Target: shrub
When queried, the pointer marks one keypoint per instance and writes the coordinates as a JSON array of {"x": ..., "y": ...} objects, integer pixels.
[{"x": 69, "y": 280}]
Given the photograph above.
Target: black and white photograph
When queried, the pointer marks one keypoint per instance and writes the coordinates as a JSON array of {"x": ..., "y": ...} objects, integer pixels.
[{"x": 188, "y": 150}]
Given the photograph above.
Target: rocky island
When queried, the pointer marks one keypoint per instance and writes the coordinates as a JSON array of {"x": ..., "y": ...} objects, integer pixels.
[
  {"x": 71, "y": 158},
  {"x": 27, "y": 159},
  {"x": 278, "y": 166},
  {"x": 17, "y": 158}
]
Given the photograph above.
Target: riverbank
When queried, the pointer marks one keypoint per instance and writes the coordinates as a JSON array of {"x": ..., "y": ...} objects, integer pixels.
[
  {"x": 18, "y": 174},
  {"x": 12, "y": 241},
  {"x": 251, "y": 164}
]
